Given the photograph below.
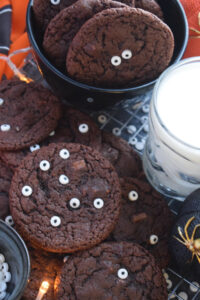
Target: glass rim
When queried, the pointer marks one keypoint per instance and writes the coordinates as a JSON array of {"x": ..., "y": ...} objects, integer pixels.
[{"x": 155, "y": 93}]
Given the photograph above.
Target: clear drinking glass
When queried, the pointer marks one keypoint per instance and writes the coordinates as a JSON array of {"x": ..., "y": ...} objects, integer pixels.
[{"x": 171, "y": 157}]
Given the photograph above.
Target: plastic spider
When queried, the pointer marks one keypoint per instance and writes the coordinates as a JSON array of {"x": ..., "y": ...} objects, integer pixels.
[{"x": 190, "y": 243}]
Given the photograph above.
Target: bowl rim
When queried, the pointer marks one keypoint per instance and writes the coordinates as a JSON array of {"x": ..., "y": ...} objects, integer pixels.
[
  {"x": 35, "y": 46},
  {"x": 24, "y": 281}
]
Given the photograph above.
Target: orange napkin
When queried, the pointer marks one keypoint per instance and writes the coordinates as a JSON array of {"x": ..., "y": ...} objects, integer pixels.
[
  {"x": 192, "y": 9},
  {"x": 13, "y": 37}
]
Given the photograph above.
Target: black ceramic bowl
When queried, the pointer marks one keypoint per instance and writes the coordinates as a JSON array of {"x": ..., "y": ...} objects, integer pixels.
[
  {"x": 85, "y": 96},
  {"x": 17, "y": 257}
]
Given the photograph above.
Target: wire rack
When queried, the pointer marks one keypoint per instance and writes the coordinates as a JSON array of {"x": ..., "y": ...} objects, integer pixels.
[{"x": 129, "y": 120}]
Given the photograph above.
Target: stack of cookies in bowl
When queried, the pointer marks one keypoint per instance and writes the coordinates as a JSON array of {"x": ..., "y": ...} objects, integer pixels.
[
  {"x": 78, "y": 197},
  {"x": 105, "y": 43}
]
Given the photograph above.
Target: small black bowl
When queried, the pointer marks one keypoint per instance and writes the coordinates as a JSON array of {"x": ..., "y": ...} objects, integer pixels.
[
  {"x": 17, "y": 257},
  {"x": 90, "y": 97}
]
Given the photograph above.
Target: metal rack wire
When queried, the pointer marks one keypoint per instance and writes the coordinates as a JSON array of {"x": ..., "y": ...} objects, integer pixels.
[{"x": 129, "y": 120}]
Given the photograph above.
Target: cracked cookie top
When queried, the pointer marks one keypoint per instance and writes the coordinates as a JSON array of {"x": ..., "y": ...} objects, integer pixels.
[
  {"x": 45, "y": 10},
  {"x": 73, "y": 127},
  {"x": 5, "y": 180},
  {"x": 28, "y": 113},
  {"x": 141, "y": 219},
  {"x": 118, "y": 271},
  {"x": 151, "y": 6},
  {"x": 65, "y": 197},
  {"x": 134, "y": 51},
  {"x": 67, "y": 23}
]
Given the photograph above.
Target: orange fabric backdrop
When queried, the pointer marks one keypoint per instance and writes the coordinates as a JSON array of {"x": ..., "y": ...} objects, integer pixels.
[{"x": 19, "y": 37}]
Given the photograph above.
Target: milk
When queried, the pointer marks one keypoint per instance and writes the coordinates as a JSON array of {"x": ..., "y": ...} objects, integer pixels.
[{"x": 172, "y": 152}]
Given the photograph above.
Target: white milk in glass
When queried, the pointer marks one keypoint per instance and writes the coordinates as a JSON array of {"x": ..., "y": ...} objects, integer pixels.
[{"x": 171, "y": 157}]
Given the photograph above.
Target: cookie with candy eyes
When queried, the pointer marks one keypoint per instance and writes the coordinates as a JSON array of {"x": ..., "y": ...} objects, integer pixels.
[
  {"x": 65, "y": 197},
  {"x": 151, "y": 6},
  {"x": 5, "y": 180},
  {"x": 121, "y": 155},
  {"x": 141, "y": 219},
  {"x": 67, "y": 23},
  {"x": 121, "y": 271},
  {"x": 137, "y": 52},
  {"x": 45, "y": 10},
  {"x": 74, "y": 126},
  {"x": 28, "y": 113},
  {"x": 44, "y": 267}
]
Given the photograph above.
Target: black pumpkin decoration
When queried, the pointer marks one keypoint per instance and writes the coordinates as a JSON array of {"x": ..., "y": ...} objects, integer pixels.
[{"x": 185, "y": 236}]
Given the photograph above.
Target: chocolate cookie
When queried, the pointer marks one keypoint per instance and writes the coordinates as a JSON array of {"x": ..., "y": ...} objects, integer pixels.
[
  {"x": 62, "y": 29},
  {"x": 74, "y": 126},
  {"x": 45, "y": 10},
  {"x": 151, "y": 6},
  {"x": 5, "y": 180},
  {"x": 44, "y": 267},
  {"x": 102, "y": 56},
  {"x": 65, "y": 197},
  {"x": 121, "y": 155},
  {"x": 141, "y": 219},
  {"x": 28, "y": 113},
  {"x": 121, "y": 271}
]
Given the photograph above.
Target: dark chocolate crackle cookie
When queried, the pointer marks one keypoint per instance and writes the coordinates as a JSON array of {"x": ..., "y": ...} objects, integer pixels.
[
  {"x": 74, "y": 126},
  {"x": 121, "y": 155},
  {"x": 121, "y": 271},
  {"x": 151, "y": 6},
  {"x": 102, "y": 56},
  {"x": 44, "y": 267},
  {"x": 62, "y": 29},
  {"x": 65, "y": 197},
  {"x": 28, "y": 113},
  {"x": 45, "y": 10},
  {"x": 5, "y": 180},
  {"x": 145, "y": 219}
]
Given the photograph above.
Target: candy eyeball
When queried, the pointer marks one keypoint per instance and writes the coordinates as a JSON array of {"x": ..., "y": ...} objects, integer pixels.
[
  {"x": 6, "y": 276},
  {"x": 64, "y": 153},
  {"x": 52, "y": 133},
  {"x": 34, "y": 147},
  {"x": 5, "y": 127},
  {"x": 74, "y": 203},
  {"x": 3, "y": 286},
  {"x": 63, "y": 179},
  {"x": 9, "y": 220},
  {"x": 122, "y": 273},
  {"x": 132, "y": 195},
  {"x": 153, "y": 239},
  {"x": 126, "y": 54},
  {"x": 55, "y": 2},
  {"x": 2, "y": 258},
  {"x": 4, "y": 267},
  {"x": 26, "y": 191},
  {"x": 116, "y": 61},
  {"x": 55, "y": 221},
  {"x": 98, "y": 203},
  {"x": 44, "y": 165},
  {"x": 83, "y": 128}
]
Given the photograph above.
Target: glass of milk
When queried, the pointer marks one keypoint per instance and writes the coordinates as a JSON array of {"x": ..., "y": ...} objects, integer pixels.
[{"x": 171, "y": 156}]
